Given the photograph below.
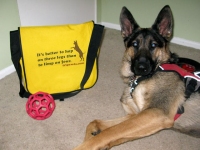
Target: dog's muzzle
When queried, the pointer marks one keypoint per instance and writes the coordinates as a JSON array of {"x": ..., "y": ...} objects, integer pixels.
[{"x": 142, "y": 66}]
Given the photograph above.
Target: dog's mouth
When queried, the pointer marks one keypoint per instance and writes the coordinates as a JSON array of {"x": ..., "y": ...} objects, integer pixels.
[{"x": 142, "y": 66}]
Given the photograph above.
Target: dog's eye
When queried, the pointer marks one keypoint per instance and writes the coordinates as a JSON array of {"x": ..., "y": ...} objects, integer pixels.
[
  {"x": 153, "y": 45},
  {"x": 135, "y": 44}
]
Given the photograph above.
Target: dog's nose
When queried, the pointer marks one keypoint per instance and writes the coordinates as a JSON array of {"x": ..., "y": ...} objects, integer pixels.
[{"x": 142, "y": 66}]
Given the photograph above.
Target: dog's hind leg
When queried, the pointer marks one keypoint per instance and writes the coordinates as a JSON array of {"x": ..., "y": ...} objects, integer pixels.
[
  {"x": 144, "y": 124},
  {"x": 189, "y": 121}
]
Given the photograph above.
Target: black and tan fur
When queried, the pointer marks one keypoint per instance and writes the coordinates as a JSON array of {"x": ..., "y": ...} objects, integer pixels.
[{"x": 153, "y": 104}]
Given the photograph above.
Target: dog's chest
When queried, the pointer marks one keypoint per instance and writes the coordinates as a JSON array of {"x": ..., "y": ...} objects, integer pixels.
[
  {"x": 163, "y": 90},
  {"x": 140, "y": 97}
]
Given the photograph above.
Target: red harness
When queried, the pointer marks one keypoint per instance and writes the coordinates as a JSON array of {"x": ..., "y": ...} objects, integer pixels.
[{"x": 182, "y": 72}]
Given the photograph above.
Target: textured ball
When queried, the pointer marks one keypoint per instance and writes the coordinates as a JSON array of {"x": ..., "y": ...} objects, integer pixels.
[{"x": 40, "y": 106}]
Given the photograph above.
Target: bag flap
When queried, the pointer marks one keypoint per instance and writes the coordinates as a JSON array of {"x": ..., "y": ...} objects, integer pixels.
[{"x": 54, "y": 57}]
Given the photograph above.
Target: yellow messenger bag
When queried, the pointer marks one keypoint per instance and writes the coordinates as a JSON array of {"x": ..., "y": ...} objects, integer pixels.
[{"x": 59, "y": 60}]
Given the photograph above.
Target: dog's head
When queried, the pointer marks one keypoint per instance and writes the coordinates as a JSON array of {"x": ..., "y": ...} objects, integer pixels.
[{"x": 146, "y": 48}]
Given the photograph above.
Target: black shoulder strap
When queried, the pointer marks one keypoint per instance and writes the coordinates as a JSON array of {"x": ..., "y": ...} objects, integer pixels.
[
  {"x": 16, "y": 56},
  {"x": 91, "y": 56},
  {"x": 92, "y": 52}
]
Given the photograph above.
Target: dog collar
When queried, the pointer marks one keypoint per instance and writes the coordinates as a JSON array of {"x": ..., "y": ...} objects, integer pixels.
[
  {"x": 135, "y": 81},
  {"x": 132, "y": 84}
]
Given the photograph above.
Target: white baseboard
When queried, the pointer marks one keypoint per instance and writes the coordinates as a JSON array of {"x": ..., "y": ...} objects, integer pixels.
[
  {"x": 185, "y": 42},
  {"x": 111, "y": 25},
  {"x": 175, "y": 40},
  {"x": 7, "y": 71}
]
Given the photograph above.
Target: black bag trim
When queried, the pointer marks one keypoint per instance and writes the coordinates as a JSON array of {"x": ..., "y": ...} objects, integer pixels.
[{"x": 92, "y": 52}]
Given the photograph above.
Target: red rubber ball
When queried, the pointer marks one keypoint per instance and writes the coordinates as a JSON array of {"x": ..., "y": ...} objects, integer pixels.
[{"x": 40, "y": 106}]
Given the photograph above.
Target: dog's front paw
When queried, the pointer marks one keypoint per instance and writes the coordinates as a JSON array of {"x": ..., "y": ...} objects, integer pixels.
[
  {"x": 96, "y": 132},
  {"x": 92, "y": 129}
]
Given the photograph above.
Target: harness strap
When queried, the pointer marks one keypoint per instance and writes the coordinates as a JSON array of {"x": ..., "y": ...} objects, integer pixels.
[{"x": 182, "y": 72}]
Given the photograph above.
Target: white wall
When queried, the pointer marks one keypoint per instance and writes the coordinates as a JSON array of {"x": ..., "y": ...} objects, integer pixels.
[
  {"x": 54, "y": 12},
  {"x": 38, "y": 12}
]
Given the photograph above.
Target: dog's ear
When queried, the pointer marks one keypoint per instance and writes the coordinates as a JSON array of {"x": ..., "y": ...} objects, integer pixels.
[
  {"x": 127, "y": 22},
  {"x": 164, "y": 23}
]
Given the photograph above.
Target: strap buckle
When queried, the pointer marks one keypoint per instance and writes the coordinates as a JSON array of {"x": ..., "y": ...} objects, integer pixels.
[{"x": 133, "y": 84}]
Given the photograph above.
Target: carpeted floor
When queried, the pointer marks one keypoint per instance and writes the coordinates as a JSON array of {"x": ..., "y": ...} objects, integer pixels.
[{"x": 66, "y": 127}]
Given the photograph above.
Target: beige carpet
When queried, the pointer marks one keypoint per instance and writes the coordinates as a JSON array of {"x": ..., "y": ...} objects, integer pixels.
[{"x": 66, "y": 127}]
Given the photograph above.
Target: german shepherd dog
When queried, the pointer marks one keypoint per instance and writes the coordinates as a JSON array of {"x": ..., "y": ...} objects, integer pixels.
[{"x": 152, "y": 104}]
